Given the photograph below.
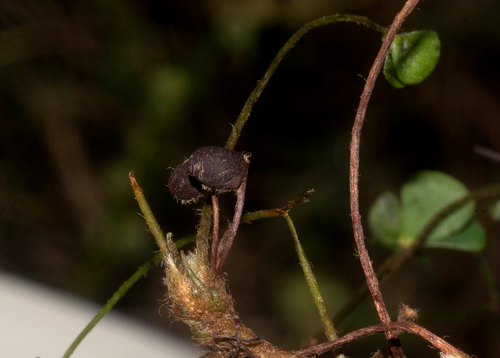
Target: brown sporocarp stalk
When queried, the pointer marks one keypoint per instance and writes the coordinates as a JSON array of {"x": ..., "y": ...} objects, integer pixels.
[
  {"x": 213, "y": 170},
  {"x": 395, "y": 349},
  {"x": 200, "y": 299}
]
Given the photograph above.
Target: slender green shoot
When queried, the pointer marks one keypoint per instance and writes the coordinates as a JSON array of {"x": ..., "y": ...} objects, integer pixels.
[
  {"x": 149, "y": 216},
  {"x": 254, "y": 96},
  {"x": 330, "y": 331},
  {"x": 113, "y": 300}
]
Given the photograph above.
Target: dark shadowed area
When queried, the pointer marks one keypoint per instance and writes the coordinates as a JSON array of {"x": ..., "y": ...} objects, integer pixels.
[{"x": 90, "y": 90}]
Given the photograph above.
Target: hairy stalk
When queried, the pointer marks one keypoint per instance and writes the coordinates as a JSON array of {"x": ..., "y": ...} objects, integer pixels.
[
  {"x": 407, "y": 326},
  {"x": 203, "y": 234},
  {"x": 153, "y": 261},
  {"x": 330, "y": 331},
  {"x": 371, "y": 279},
  {"x": 271, "y": 213},
  {"x": 230, "y": 234},
  {"x": 148, "y": 215}
]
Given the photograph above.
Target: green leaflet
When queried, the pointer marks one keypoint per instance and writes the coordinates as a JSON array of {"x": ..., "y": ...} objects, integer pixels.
[
  {"x": 412, "y": 57},
  {"x": 396, "y": 224}
]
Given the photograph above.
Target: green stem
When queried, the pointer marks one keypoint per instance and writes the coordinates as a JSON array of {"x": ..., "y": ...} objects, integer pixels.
[
  {"x": 271, "y": 213},
  {"x": 113, "y": 300},
  {"x": 254, "y": 96},
  {"x": 149, "y": 216},
  {"x": 330, "y": 331},
  {"x": 185, "y": 240}
]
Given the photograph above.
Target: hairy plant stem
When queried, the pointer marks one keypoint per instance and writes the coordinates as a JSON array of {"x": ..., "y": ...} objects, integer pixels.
[
  {"x": 149, "y": 216},
  {"x": 330, "y": 331},
  {"x": 254, "y": 96},
  {"x": 203, "y": 233},
  {"x": 395, "y": 349},
  {"x": 230, "y": 234},
  {"x": 407, "y": 326},
  {"x": 271, "y": 213}
]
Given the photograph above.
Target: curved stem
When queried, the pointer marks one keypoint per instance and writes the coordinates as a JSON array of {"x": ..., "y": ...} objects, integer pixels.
[
  {"x": 371, "y": 278},
  {"x": 227, "y": 240},
  {"x": 113, "y": 300},
  {"x": 330, "y": 331},
  {"x": 254, "y": 96},
  {"x": 407, "y": 326}
]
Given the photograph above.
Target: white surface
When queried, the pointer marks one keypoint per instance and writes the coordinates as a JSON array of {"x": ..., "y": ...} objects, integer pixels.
[{"x": 39, "y": 322}]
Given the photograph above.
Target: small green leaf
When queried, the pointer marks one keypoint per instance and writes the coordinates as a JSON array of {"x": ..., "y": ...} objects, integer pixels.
[
  {"x": 495, "y": 211},
  {"x": 423, "y": 197},
  {"x": 412, "y": 57},
  {"x": 472, "y": 238},
  {"x": 383, "y": 219}
]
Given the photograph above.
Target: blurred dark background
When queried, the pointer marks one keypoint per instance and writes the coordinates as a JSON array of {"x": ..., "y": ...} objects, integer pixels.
[{"x": 93, "y": 89}]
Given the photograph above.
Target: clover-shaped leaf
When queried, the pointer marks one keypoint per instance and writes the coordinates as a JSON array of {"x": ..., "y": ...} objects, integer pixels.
[
  {"x": 395, "y": 224},
  {"x": 423, "y": 196}
]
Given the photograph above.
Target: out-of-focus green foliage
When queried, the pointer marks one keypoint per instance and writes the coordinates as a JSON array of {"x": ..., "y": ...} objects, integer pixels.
[
  {"x": 422, "y": 197},
  {"x": 495, "y": 211}
]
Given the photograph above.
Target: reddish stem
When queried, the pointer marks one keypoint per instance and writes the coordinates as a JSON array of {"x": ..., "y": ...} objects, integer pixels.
[
  {"x": 407, "y": 326},
  {"x": 371, "y": 279},
  {"x": 228, "y": 238}
]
